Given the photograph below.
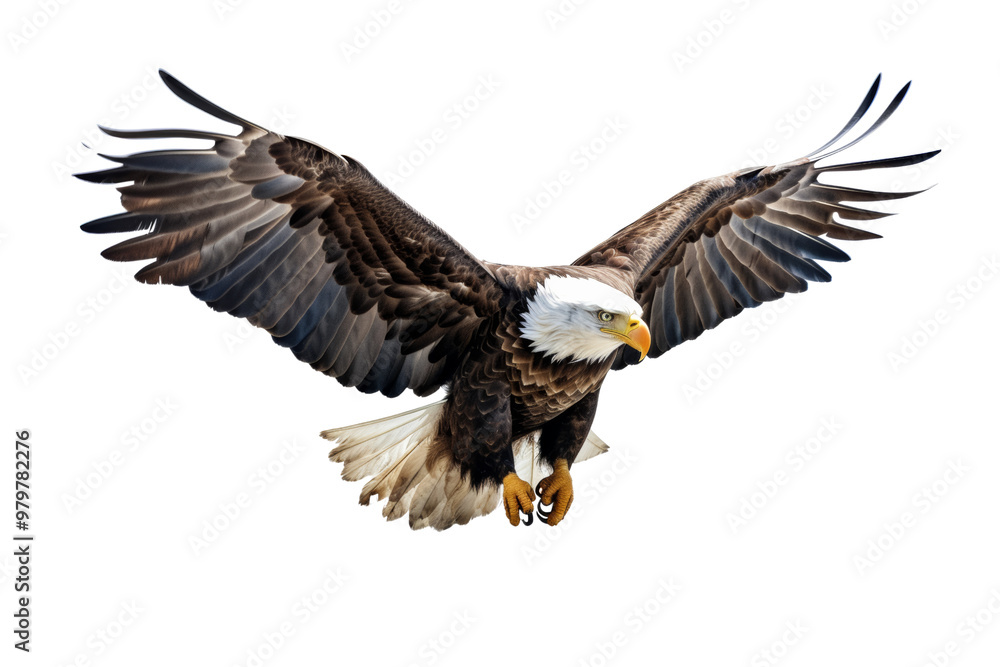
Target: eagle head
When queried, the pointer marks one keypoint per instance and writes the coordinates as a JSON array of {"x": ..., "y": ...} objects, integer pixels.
[{"x": 582, "y": 319}]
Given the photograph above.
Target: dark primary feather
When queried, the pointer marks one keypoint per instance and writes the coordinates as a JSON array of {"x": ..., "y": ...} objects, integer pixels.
[
  {"x": 736, "y": 241},
  {"x": 304, "y": 243}
]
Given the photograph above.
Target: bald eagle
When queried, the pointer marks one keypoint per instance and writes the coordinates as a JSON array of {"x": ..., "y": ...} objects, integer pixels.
[{"x": 308, "y": 245}]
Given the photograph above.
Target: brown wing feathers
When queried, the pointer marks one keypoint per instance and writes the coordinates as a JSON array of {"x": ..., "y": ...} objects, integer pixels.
[
  {"x": 304, "y": 243},
  {"x": 739, "y": 240},
  {"x": 310, "y": 246}
]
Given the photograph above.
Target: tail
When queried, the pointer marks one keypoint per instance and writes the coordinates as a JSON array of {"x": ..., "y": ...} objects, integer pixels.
[{"x": 395, "y": 453}]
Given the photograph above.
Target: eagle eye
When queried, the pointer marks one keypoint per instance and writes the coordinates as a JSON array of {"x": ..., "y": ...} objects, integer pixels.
[{"x": 605, "y": 316}]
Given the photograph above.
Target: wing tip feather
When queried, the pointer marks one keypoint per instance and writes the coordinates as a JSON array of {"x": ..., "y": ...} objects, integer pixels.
[{"x": 200, "y": 102}]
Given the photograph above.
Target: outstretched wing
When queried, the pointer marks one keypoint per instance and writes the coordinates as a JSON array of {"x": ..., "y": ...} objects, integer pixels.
[
  {"x": 304, "y": 243},
  {"x": 736, "y": 241}
]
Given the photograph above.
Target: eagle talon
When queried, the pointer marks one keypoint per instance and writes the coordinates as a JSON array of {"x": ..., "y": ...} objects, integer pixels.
[
  {"x": 555, "y": 490},
  {"x": 543, "y": 516},
  {"x": 517, "y": 498}
]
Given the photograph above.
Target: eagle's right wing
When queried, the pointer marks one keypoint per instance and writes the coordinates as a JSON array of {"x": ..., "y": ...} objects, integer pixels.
[{"x": 306, "y": 244}]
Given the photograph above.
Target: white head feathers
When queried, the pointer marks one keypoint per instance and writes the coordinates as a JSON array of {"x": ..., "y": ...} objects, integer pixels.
[{"x": 562, "y": 318}]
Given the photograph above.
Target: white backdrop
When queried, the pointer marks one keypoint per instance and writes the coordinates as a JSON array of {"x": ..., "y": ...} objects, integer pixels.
[{"x": 824, "y": 495}]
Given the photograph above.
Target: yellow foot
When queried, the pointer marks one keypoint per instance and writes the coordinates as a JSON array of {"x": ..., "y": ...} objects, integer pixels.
[
  {"x": 517, "y": 497},
  {"x": 556, "y": 490}
]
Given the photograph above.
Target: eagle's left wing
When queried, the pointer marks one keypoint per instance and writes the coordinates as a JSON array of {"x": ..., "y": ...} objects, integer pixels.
[{"x": 738, "y": 240}]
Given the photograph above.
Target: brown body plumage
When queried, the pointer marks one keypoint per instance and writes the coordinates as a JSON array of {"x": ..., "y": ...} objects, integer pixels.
[{"x": 309, "y": 246}]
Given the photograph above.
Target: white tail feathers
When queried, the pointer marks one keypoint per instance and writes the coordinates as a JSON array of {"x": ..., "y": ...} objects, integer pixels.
[{"x": 394, "y": 452}]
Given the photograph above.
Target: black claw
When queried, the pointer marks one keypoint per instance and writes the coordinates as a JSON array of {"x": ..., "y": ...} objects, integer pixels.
[
  {"x": 538, "y": 489},
  {"x": 543, "y": 516},
  {"x": 529, "y": 520}
]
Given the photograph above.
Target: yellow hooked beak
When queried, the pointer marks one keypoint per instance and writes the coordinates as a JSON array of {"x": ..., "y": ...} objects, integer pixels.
[{"x": 636, "y": 335}]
